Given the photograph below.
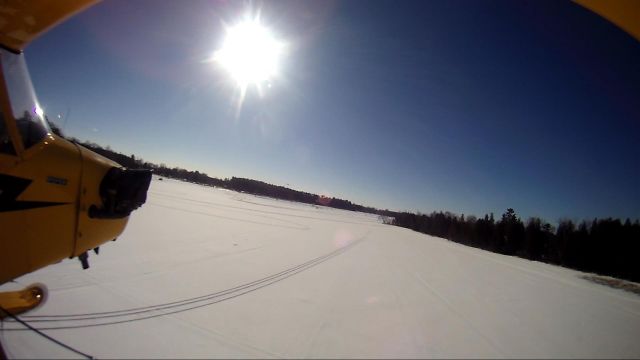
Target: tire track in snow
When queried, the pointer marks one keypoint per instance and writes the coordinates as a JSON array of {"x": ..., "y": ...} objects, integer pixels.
[
  {"x": 369, "y": 223},
  {"x": 461, "y": 316},
  {"x": 469, "y": 277},
  {"x": 130, "y": 315},
  {"x": 403, "y": 271},
  {"x": 577, "y": 283},
  {"x": 295, "y": 226},
  {"x": 229, "y": 340},
  {"x": 315, "y": 209}
]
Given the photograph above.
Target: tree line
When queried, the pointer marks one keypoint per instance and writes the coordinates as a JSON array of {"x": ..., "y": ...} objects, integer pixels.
[
  {"x": 604, "y": 246},
  {"x": 250, "y": 186}
]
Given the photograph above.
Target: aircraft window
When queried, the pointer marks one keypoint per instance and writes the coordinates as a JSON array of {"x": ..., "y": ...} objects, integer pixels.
[
  {"x": 26, "y": 110},
  {"x": 6, "y": 147}
]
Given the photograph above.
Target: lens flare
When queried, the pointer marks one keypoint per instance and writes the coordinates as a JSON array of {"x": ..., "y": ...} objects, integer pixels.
[{"x": 38, "y": 110}]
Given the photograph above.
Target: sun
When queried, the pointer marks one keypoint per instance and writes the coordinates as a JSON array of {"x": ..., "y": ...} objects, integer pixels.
[{"x": 250, "y": 53}]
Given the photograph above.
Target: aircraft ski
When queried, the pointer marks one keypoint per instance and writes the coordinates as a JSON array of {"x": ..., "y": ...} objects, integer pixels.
[{"x": 20, "y": 301}]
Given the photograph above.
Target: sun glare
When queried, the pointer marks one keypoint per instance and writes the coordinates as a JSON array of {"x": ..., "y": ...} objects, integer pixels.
[{"x": 250, "y": 53}]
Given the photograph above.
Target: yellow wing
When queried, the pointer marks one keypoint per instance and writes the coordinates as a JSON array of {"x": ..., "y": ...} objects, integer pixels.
[
  {"x": 21, "y": 21},
  {"x": 623, "y": 13}
]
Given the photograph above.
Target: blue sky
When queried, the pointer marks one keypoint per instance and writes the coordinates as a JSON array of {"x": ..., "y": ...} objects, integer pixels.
[{"x": 465, "y": 106}]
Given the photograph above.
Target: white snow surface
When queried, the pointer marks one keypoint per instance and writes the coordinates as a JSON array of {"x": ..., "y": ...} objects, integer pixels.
[{"x": 202, "y": 272}]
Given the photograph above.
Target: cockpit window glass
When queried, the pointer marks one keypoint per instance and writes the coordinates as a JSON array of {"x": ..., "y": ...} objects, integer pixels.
[
  {"x": 24, "y": 105},
  {"x": 6, "y": 147}
]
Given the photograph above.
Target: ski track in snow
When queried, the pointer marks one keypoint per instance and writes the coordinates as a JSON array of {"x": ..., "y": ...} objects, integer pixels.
[{"x": 202, "y": 272}]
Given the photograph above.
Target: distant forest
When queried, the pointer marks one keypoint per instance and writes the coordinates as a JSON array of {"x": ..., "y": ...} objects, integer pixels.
[
  {"x": 237, "y": 184},
  {"x": 603, "y": 246}
]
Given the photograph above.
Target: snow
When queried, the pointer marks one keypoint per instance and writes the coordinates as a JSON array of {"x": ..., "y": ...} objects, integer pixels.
[{"x": 244, "y": 276}]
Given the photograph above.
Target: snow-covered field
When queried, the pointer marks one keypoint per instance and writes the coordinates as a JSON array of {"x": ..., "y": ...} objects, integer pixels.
[{"x": 203, "y": 272}]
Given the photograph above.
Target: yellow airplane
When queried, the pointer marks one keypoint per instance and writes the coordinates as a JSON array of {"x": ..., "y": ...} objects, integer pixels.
[{"x": 57, "y": 199}]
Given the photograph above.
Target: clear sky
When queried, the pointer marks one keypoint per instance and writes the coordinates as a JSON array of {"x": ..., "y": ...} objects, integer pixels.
[{"x": 465, "y": 106}]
